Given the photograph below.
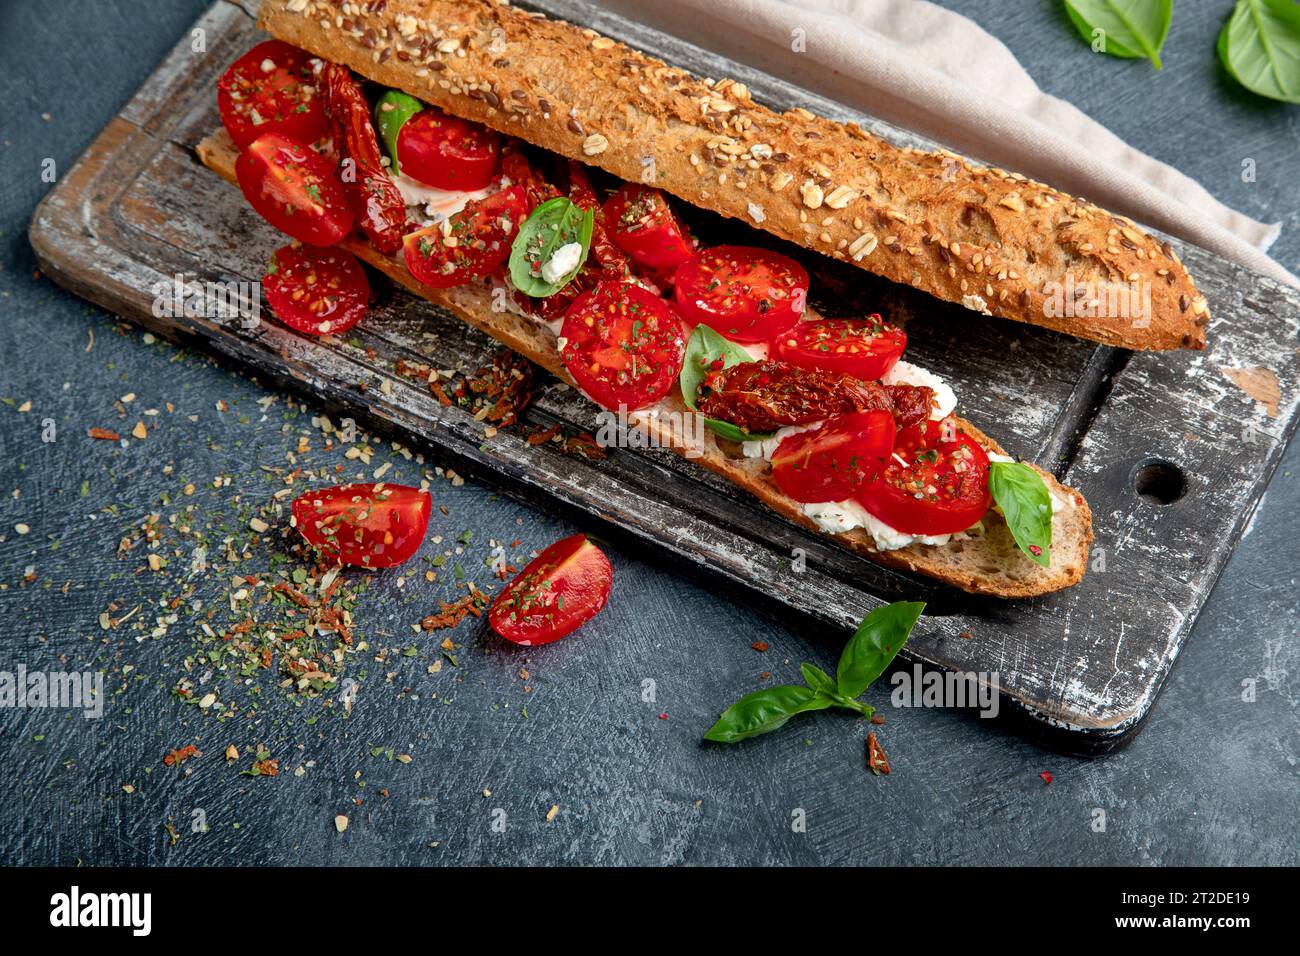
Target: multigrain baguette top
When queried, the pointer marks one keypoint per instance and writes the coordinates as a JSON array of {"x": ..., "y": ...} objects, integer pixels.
[{"x": 993, "y": 241}]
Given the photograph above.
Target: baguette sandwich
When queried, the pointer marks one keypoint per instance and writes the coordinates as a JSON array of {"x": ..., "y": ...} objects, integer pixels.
[{"x": 536, "y": 179}]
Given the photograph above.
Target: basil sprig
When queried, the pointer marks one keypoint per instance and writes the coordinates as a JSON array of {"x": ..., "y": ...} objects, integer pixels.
[
  {"x": 555, "y": 223},
  {"x": 1260, "y": 48},
  {"x": 391, "y": 113},
  {"x": 703, "y": 349},
  {"x": 1131, "y": 29},
  {"x": 1026, "y": 503},
  {"x": 877, "y": 640}
]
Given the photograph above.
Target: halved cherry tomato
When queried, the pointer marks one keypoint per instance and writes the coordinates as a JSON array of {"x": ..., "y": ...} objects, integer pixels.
[
  {"x": 742, "y": 293},
  {"x": 937, "y": 481},
  {"x": 294, "y": 189},
  {"x": 447, "y": 151},
  {"x": 369, "y": 525},
  {"x": 623, "y": 346},
  {"x": 865, "y": 349},
  {"x": 271, "y": 89},
  {"x": 830, "y": 463},
  {"x": 316, "y": 291},
  {"x": 643, "y": 225},
  {"x": 560, "y": 590},
  {"x": 477, "y": 240}
]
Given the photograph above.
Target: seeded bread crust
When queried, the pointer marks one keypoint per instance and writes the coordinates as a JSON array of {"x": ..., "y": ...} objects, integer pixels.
[
  {"x": 989, "y": 564},
  {"x": 990, "y": 240}
]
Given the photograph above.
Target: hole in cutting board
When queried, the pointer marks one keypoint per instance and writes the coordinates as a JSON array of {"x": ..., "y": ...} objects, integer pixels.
[{"x": 1159, "y": 482}]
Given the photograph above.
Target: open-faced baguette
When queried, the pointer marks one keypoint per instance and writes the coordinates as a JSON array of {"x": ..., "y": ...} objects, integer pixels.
[
  {"x": 990, "y": 240},
  {"x": 989, "y": 563}
]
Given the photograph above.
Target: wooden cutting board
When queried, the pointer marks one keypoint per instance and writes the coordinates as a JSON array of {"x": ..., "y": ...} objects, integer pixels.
[{"x": 1172, "y": 451}]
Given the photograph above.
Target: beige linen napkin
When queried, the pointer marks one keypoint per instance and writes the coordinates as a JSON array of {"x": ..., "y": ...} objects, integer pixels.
[{"x": 924, "y": 68}]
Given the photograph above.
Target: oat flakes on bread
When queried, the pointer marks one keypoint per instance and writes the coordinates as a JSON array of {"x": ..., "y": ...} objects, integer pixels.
[
  {"x": 988, "y": 564},
  {"x": 990, "y": 240}
]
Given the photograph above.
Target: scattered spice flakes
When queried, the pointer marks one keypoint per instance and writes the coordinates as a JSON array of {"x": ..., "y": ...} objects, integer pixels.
[
  {"x": 104, "y": 434},
  {"x": 140, "y": 432},
  {"x": 551, "y": 813},
  {"x": 760, "y": 646},
  {"x": 585, "y": 446},
  {"x": 1046, "y": 776},
  {"x": 263, "y": 768},
  {"x": 878, "y": 720},
  {"x": 455, "y": 612},
  {"x": 341, "y": 822},
  {"x": 232, "y": 753},
  {"x": 181, "y": 754},
  {"x": 877, "y": 762},
  {"x": 542, "y": 436}
]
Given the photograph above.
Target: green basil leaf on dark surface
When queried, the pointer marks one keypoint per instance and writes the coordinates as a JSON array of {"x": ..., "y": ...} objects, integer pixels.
[
  {"x": 1026, "y": 504},
  {"x": 705, "y": 347},
  {"x": 878, "y": 639},
  {"x": 1260, "y": 48},
  {"x": 817, "y": 679},
  {"x": 764, "y": 711},
  {"x": 391, "y": 113},
  {"x": 555, "y": 223},
  {"x": 1131, "y": 29}
]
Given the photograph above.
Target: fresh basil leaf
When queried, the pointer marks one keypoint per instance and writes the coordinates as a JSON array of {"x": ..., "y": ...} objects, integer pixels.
[
  {"x": 555, "y": 223},
  {"x": 878, "y": 638},
  {"x": 817, "y": 679},
  {"x": 1026, "y": 503},
  {"x": 1130, "y": 29},
  {"x": 391, "y": 113},
  {"x": 705, "y": 347},
  {"x": 764, "y": 711},
  {"x": 1260, "y": 48}
]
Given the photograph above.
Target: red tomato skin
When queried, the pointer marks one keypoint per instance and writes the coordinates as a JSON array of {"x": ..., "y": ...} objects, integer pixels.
[
  {"x": 530, "y": 612},
  {"x": 743, "y": 293},
  {"x": 447, "y": 152},
  {"x": 830, "y": 463},
  {"x": 892, "y": 497},
  {"x": 479, "y": 223},
  {"x": 642, "y": 224},
  {"x": 347, "y": 523},
  {"x": 278, "y": 175},
  {"x": 285, "y": 97},
  {"x": 334, "y": 274},
  {"x": 616, "y": 307},
  {"x": 830, "y": 344}
]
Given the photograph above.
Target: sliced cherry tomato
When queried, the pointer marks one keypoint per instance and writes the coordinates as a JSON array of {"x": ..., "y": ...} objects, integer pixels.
[
  {"x": 830, "y": 463},
  {"x": 623, "y": 346},
  {"x": 642, "y": 223},
  {"x": 562, "y": 588},
  {"x": 742, "y": 293},
  {"x": 369, "y": 525},
  {"x": 271, "y": 89},
  {"x": 294, "y": 189},
  {"x": 865, "y": 349},
  {"x": 477, "y": 240},
  {"x": 316, "y": 291},
  {"x": 937, "y": 481},
  {"x": 447, "y": 151}
]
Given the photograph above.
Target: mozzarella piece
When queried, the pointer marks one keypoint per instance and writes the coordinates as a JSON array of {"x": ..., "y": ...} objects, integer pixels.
[
  {"x": 905, "y": 373},
  {"x": 438, "y": 204},
  {"x": 838, "y": 517},
  {"x": 563, "y": 261},
  {"x": 765, "y": 448}
]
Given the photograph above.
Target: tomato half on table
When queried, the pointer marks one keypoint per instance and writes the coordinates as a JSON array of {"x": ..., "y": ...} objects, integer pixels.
[
  {"x": 295, "y": 189},
  {"x": 560, "y": 590},
  {"x": 447, "y": 152},
  {"x": 316, "y": 291},
  {"x": 937, "y": 481},
  {"x": 864, "y": 348},
  {"x": 643, "y": 225},
  {"x": 471, "y": 244},
  {"x": 623, "y": 346},
  {"x": 368, "y": 525},
  {"x": 742, "y": 293},
  {"x": 830, "y": 463},
  {"x": 271, "y": 89}
]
